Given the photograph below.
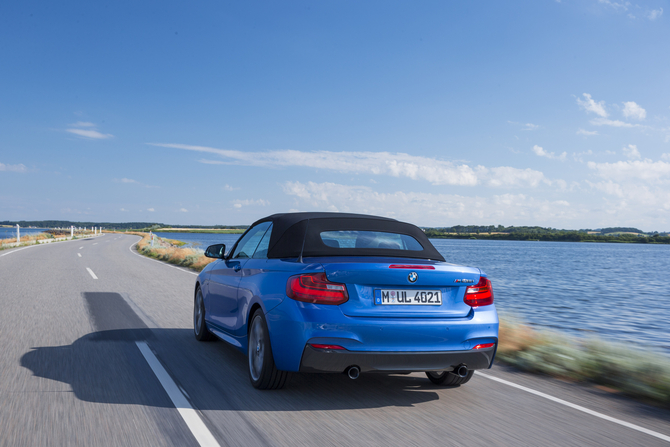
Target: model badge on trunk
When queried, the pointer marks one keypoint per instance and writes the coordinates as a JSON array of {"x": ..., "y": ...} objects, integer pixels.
[{"x": 412, "y": 277}]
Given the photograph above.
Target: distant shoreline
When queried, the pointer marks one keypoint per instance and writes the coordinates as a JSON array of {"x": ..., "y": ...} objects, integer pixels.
[{"x": 555, "y": 237}]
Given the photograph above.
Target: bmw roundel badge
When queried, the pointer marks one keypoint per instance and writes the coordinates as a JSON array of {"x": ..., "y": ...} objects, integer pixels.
[{"x": 412, "y": 277}]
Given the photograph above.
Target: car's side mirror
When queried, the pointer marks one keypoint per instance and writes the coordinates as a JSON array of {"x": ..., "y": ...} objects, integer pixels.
[{"x": 216, "y": 251}]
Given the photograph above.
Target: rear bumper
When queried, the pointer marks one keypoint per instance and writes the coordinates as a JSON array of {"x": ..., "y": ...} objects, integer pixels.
[{"x": 337, "y": 361}]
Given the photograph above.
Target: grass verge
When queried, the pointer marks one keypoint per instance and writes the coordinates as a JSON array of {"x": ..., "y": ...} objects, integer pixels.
[
  {"x": 171, "y": 251},
  {"x": 616, "y": 367}
]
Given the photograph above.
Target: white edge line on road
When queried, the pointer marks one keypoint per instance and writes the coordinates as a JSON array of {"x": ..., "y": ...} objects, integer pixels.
[
  {"x": 79, "y": 254},
  {"x": 190, "y": 416},
  {"x": 160, "y": 262},
  {"x": 579, "y": 408},
  {"x": 91, "y": 272},
  {"x": 19, "y": 249}
]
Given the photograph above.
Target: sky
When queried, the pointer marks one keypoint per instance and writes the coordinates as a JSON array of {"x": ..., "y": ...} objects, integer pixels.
[{"x": 549, "y": 113}]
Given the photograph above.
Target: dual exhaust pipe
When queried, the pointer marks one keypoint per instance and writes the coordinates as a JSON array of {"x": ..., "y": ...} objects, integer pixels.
[{"x": 354, "y": 371}]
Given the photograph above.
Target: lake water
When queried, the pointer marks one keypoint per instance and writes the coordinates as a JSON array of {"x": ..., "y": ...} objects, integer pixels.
[
  {"x": 202, "y": 240},
  {"x": 6, "y": 233},
  {"x": 618, "y": 292}
]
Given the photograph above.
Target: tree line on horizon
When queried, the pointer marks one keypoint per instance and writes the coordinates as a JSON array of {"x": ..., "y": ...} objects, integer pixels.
[
  {"x": 531, "y": 230},
  {"x": 499, "y": 232}
]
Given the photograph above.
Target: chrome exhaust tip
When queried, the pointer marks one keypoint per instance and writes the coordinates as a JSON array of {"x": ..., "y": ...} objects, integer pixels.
[
  {"x": 461, "y": 370},
  {"x": 354, "y": 372}
]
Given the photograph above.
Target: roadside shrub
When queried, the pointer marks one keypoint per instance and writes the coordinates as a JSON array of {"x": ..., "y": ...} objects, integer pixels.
[
  {"x": 171, "y": 251},
  {"x": 639, "y": 373}
]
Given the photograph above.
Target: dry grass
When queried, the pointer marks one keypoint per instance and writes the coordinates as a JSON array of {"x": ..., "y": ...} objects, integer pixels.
[
  {"x": 514, "y": 336},
  {"x": 639, "y": 373},
  {"x": 28, "y": 238},
  {"x": 169, "y": 251},
  {"x": 34, "y": 238}
]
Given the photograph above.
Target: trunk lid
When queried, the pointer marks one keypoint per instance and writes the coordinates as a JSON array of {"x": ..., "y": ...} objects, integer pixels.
[{"x": 365, "y": 276}]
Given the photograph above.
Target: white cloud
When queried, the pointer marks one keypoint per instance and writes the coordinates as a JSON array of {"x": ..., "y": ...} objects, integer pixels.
[
  {"x": 435, "y": 171},
  {"x": 655, "y": 13},
  {"x": 608, "y": 187},
  {"x": 631, "y": 151},
  {"x": 94, "y": 134},
  {"x": 151, "y": 210},
  {"x": 426, "y": 208},
  {"x": 590, "y": 105},
  {"x": 618, "y": 6},
  {"x": 212, "y": 162},
  {"x": 665, "y": 157},
  {"x": 631, "y": 170},
  {"x": 587, "y": 132},
  {"x": 13, "y": 168},
  {"x": 241, "y": 203},
  {"x": 82, "y": 124},
  {"x": 227, "y": 187},
  {"x": 579, "y": 156},
  {"x": 133, "y": 182},
  {"x": 540, "y": 152},
  {"x": 613, "y": 123},
  {"x": 123, "y": 209},
  {"x": 633, "y": 110},
  {"x": 183, "y": 210},
  {"x": 526, "y": 126}
]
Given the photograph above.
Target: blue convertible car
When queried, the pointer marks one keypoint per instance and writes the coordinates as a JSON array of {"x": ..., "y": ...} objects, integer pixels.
[{"x": 345, "y": 293}]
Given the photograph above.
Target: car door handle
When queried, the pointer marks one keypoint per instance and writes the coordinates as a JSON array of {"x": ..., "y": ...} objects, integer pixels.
[{"x": 237, "y": 268}]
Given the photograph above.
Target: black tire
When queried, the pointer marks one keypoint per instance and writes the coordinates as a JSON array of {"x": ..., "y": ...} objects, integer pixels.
[
  {"x": 263, "y": 373},
  {"x": 199, "y": 326},
  {"x": 448, "y": 378}
]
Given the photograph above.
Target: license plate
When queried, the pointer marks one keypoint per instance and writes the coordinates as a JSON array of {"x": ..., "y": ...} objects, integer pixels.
[{"x": 408, "y": 297}]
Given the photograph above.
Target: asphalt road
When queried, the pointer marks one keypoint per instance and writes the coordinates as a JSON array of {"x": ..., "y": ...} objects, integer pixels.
[{"x": 72, "y": 373}]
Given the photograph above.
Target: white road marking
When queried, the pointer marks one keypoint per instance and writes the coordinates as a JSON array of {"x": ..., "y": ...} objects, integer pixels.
[
  {"x": 81, "y": 248},
  {"x": 190, "y": 416},
  {"x": 578, "y": 407},
  {"x": 95, "y": 243},
  {"x": 160, "y": 262},
  {"x": 79, "y": 254},
  {"x": 91, "y": 272}
]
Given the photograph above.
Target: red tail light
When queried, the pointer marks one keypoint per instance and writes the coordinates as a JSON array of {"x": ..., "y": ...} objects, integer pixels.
[
  {"x": 481, "y": 294},
  {"x": 484, "y": 346},
  {"x": 315, "y": 288},
  {"x": 411, "y": 267},
  {"x": 331, "y": 347}
]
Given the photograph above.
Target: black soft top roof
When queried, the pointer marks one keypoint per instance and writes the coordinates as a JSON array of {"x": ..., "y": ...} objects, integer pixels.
[{"x": 296, "y": 234}]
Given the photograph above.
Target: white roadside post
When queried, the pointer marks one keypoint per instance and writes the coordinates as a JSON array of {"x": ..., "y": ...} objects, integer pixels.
[
  {"x": 71, "y": 231},
  {"x": 151, "y": 235},
  {"x": 18, "y": 234}
]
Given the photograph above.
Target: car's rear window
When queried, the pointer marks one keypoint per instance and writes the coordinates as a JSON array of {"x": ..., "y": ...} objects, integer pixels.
[{"x": 369, "y": 239}]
